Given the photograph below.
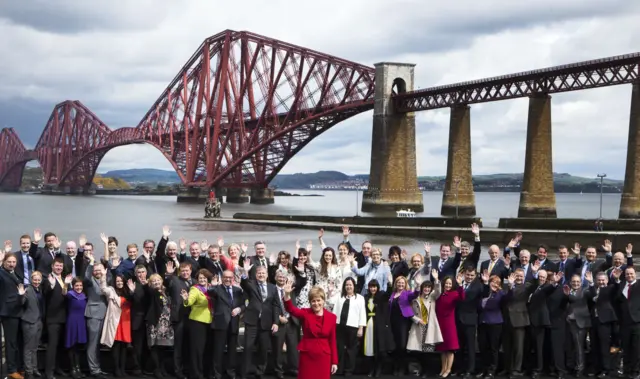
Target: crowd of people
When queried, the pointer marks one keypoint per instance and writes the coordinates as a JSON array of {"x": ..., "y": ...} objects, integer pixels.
[{"x": 318, "y": 317}]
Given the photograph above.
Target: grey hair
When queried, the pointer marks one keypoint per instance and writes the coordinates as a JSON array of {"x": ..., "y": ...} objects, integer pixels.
[{"x": 171, "y": 244}]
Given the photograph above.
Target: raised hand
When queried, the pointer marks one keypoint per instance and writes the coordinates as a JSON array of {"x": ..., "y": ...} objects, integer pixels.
[
  {"x": 166, "y": 232},
  {"x": 616, "y": 273},
  {"x": 309, "y": 246},
  {"x": 427, "y": 248},
  {"x": 52, "y": 280},
  {"x": 485, "y": 276},
  {"x": 115, "y": 262},
  {"x": 82, "y": 241},
  {"x": 8, "y": 246},
  {"x": 171, "y": 268},
  {"x": 536, "y": 266},
  {"x": 21, "y": 289},
  {"x": 182, "y": 243},
  {"x": 243, "y": 247},
  {"x": 220, "y": 242},
  {"x": 288, "y": 287},
  {"x": 629, "y": 249},
  {"x": 435, "y": 274},
  {"x": 558, "y": 276},
  {"x": 184, "y": 294},
  {"x": 320, "y": 233},
  {"x": 607, "y": 246},
  {"x": 104, "y": 238},
  {"x": 297, "y": 245},
  {"x": 457, "y": 242},
  {"x": 204, "y": 245},
  {"x": 247, "y": 266},
  {"x": 37, "y": 235},
  {"x": 519, "y": 236},
  {"x": 512, "y": 243},
  {"x": 345, "y": 231},
  {"x": 588, "y": 276},
  {"x": 89, "y": 255},
  {"x": 576, "y": 248},
  {"x": 131, "y": 285},
  {"x": 215, "y": 280},
  {"x": 272, "y": 258},
  {"x": 566, "y": 290},
  {"x": 512, "y": 279},
  {"x": 460, "y": 278},
  {"x": 56, "y": 243},
  {"x": 507, "y": 261},
  {"x": 475, "y": 229},
  {"x": 68, "y": 279}
]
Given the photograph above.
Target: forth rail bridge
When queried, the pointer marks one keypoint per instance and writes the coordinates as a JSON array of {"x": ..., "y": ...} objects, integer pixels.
[{"x": 244, "y": 105}]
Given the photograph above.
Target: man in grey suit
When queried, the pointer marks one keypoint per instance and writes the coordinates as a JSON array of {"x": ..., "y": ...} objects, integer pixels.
[
  {"x": 95, "y": 312},
  {"x": 31, "y": 325},
  {"x": 579, "y": 321}
]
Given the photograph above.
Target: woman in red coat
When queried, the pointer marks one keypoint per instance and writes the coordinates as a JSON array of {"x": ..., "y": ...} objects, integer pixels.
[
  {"x": 318, "y": 352},
  {"x": 446, "y": 314}
]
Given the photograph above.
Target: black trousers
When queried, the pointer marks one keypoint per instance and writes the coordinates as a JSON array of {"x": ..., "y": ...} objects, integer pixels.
[
  {"x": 55, "y": 337},
  {"x": 198, "y": 340},
  {"x": 600, "y": 337},
  {"x": 119, "y": 355},
  {"x": 575, "y": 345},
  {"x": 140, "y": 348},
  {"x": 253, "y": 334},
  {"x": 347, "y": 341},
  {"x": 467, "y": 340},
  {"x": 538, "y": 336},
  {"x": 287, "y": 333},
  {"x": 11, "y": 325},
  {"x": 630, "y": 341},
  {"x": 179, "y": 345},
  {"x": 489, "y": 339},
  {"x": 222, "y": 339},
  {"x": 514, "y": 348},
  {"x": 557, "y": 337}
]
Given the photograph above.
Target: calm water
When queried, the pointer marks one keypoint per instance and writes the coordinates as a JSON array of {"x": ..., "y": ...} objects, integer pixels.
[{"x": 135, "y": 218}]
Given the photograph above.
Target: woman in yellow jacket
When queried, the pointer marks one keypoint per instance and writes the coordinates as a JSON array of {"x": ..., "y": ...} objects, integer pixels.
[{"x": 199, "y": 319}]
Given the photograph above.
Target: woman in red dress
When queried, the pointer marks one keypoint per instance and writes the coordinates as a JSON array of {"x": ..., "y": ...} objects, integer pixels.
[
  {"x": 318, "y": 352},
  {"x": 446, "y": 314}
]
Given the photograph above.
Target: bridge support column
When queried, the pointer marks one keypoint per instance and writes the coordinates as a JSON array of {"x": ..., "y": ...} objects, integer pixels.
[
  {"x": 537, "y": 197},
  {"x": 262, "y": 196},
  {"x": 458, "y": 198},
  {"x": 193, "y": 195},
  {"x": 393, "y": 178},
  {"x": 237, "y": 195},
  {"x": 76, "y": 190},
  {"x": 630, "y": 201}
]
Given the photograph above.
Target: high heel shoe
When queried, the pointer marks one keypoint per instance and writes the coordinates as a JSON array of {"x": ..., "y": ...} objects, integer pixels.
[{"x": 446, "y": 374}]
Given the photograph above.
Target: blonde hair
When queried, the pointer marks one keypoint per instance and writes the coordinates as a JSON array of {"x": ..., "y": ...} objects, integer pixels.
[
  {"x": 154, "y": 276},
  {"x": 417, "y": 255},
  {"x": 316, "y": 292},
  {"x": 36, "y": 273},
  {"x": 395, "y": 282}
]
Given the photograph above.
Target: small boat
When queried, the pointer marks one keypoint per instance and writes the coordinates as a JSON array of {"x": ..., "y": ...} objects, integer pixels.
[{"x": 405, "y": 213}]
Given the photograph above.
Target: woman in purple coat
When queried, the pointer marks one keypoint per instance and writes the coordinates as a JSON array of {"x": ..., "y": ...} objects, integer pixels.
[
  {"x": 400, "y": 314},
  {"x": 446, "y": 313},
  {"x": 490, "y": 320},
  {"x": 76, "y": 328}
]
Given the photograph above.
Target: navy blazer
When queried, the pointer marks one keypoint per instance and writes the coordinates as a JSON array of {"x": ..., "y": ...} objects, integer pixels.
[
  {"x": 491, "y": 312},
  {"x": 499, "y": 268},
  {"x": 449, "y": 268}
]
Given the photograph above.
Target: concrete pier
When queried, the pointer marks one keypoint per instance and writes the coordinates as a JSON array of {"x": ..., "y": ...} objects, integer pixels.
[
  {"x": 393, "y": 179},
  {"x": 630, "y": 201},
  {"x": 538, "y": 198},
  {"x": 458, "y": 198},
  {"x": 262, "y": 196},
  {"x": 237, "y": 195},
  {"x": 194, "y": 195}
]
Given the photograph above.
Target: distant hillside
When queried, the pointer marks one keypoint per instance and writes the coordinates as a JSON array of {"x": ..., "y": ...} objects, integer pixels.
[
  {"x": 144, "y": 175},
  {"x": 292, "y": 181}
]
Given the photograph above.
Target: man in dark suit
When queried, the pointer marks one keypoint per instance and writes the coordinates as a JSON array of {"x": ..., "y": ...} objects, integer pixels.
[
  {"x": 591, "y": 264},
  {"x": 44, "y": 256},
  {"x": 179, "y": 313},
  {"x": 540, "y": 255},
  {"x": 467, "y": 319},
  {"x": 568, "y": 266},
  {"x": 523, "y": 261},
  {"x": 361, "y": 257},
  {"x": 578, "y": 320},
  {"x": 539, "y": 315},
  {"x": 467, "y": 258},
  {"x": 213, "y": 262},
  {"x": 55, "y": 316},
  {"x": 74, "y": 259},
  {"x": 258, "y": 260},
  {"x": 603, "y": 318},
  {"x": 557, "y": 306},
  {"x": 31, "y": 323},
  {"x": 629, "y": 299},
  {"x": 517, "y": 321},
  {"x": 10, "y": 313},
  {"x": 229, "y": 305},
  {"x": 494, "y": 265},
  {"x": 288, "y": 327},
  {"x": 139, "y": 307},
  {"x": 260, "y": 318},
  {"x": 194, "y": 257},
  {"x": 446, "y": 264},
  {"x": 25, "y": 264}
]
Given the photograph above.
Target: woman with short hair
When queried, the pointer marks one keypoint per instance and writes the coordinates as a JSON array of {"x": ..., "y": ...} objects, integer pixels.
[{"x": 200, "y": 317}]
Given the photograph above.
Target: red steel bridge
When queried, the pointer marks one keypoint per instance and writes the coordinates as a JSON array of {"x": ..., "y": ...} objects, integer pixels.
[{"x": 244, "y": 105}]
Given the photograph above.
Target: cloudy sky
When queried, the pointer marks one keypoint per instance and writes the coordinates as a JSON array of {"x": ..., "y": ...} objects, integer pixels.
[{"x": 118, "y": 56}]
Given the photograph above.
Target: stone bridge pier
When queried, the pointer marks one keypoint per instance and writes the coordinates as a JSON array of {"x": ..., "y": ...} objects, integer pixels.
[
  {"x": 630, "y": 201},
  {"x": 393, "y": 178}
]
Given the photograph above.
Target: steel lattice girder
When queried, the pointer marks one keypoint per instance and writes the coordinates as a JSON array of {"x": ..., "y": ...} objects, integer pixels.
[
  {"x": 71, "y": 135},
  {"x": 621, "y": 69},
  {"x": 13, "y": 157},
  {"x": 247, "y": 92}
]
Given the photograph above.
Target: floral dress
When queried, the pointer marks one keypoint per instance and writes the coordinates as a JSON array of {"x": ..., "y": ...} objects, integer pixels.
[
  {"x": 331, "y": 283},
  {"x": 162, "y": 333},
  {"x": 302, "y": 298}
]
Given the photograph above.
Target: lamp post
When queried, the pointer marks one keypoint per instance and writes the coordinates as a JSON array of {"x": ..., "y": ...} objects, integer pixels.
[
  {"x": 457, "y": 181},
  {"x": 601, "y": 176},
  {"x": 357, "y": 209}
]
